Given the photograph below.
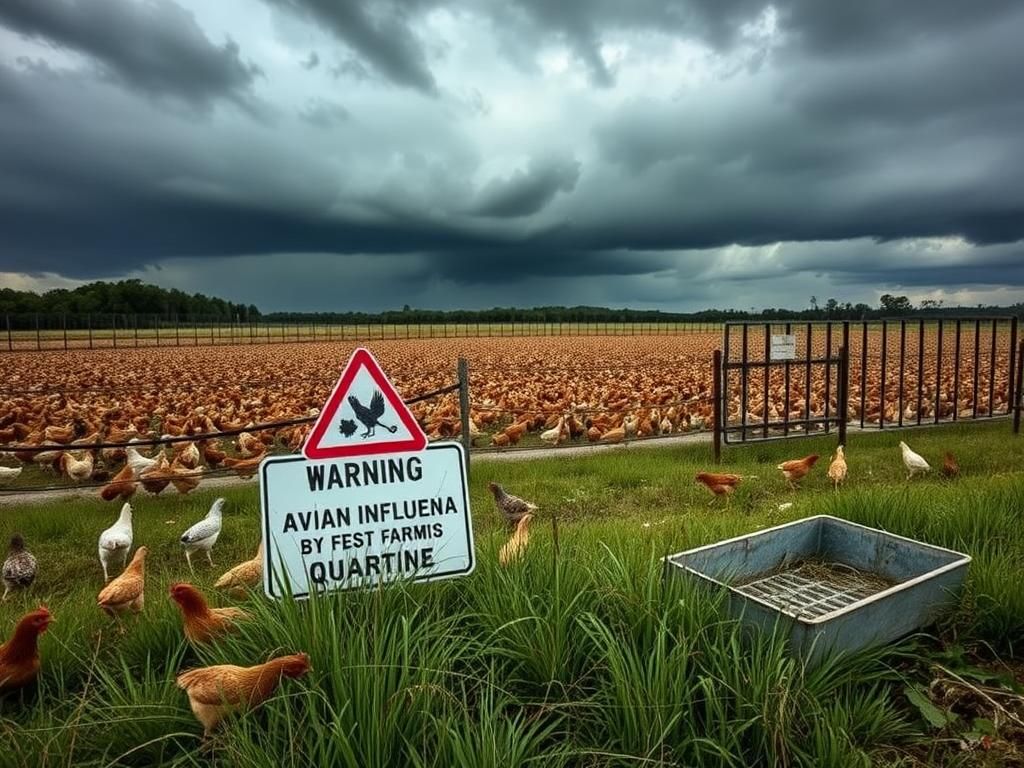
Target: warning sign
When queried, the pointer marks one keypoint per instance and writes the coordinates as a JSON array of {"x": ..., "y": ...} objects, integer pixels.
[
  {"x": 330, "y": 525},
  {"x": 363, "y": 416},
  {"x": 783, "y": 347}
]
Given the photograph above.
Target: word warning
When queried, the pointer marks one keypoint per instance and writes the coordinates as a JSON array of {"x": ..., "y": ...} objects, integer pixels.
[{"x": 347, "y": 523}]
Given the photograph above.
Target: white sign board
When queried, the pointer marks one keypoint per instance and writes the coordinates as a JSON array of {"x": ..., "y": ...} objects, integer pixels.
[
  {"x": 783, "y": 347},
  {"x": 354, "y": 522}
]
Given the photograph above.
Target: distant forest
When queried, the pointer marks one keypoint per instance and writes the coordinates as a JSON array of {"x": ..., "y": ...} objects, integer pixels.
[{"x": 127, "y": 297}]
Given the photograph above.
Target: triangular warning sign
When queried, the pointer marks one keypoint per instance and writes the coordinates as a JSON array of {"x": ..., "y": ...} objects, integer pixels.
[{"x": 364, "y": 416}]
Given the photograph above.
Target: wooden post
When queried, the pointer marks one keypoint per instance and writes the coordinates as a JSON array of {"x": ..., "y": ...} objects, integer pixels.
[
  {"x": 10, "y": 339},
  {"x": 841, "y": 397},
  {"x": 39, "y": 343},
  {"x": 467, "y": 439},
  {"x": 64, "y": 327},
  {"x": 716, "y": 407},
  {"x": 1019, "y": 385},
  {"x": 88, "y": 320}
]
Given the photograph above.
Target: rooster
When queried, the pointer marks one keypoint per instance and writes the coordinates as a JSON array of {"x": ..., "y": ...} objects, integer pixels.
[
  {"x": 20, "y": 566},
  {"x": 512, "y": 508},
  {"x": 837, "y": 469},
  {"x": 127, "y": 591},
  {"x": 244, "y": 576},
  {"x": 720, "y": 484},
  {"x": 19, "y": 656},
  {"x": 215, "y": 691},
  {"x": 797, "y": 469},
  {"x": 912, "y": 461},
  {"x": 370, "y": 417},
  {"x": 513, "y": 548},
  {"x": 116, "y": 540},
  {"x": 201, "y": 622},
  {"x": 950, "y": 468},
  {"x": 203, "y": 535}
]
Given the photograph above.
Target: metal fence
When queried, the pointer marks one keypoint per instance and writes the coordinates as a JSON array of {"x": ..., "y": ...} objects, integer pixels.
[
  {"x": 37, "y": 332},
  {"x": 875, "y": 375}
]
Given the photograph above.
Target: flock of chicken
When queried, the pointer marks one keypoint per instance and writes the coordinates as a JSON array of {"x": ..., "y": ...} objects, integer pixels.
[
  {"x": 212, "y": 691},
  {"x": 722, "y": 484}
]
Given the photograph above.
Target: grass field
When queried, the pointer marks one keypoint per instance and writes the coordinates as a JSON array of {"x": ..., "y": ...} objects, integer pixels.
[{"x": 580, "y": 655}]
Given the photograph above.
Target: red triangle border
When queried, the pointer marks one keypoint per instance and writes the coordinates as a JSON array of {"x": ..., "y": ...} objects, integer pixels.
[{"x": 362, "y": 358}]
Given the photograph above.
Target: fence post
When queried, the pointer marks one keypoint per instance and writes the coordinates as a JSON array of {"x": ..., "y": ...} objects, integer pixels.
[
  {"x": 716, "y": 406},
  {"x": 156, "y": 322},
  {"x": 467, "y": 439},
  {"x": 10, "y": 339},
  {"x": 1017, "y": 392},
  {"x": 39, "y": 343},
  {"x": 135, "y": 326},
  {"x": 844, "y": 384},
  {"x": 1012, "y": 384}
]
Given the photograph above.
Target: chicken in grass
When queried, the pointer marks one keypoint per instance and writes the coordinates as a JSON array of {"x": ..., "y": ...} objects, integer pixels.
[
  {"x": 116, "y": 541},
  {"x": 19, "y": 656},
  {"x": 243, "y": 577},
  {"x": 913, "y": 462},
  {"x": 719, "y": 484},
  {"x": 201, "y": 622},
  {"x": 20, "y": 566},
  {"x": 837, "y": 469},
  {"x": 203, "y": 535},
  {"x": 127, "y": 591},
  {"x": 214, "y": 692},
  {"x": 121, "y": 486},
  {"x": 796, "y": 470},
  {"x": 512, "y": 508},
  {"x": 950, "y": 467},
  {"x": 9, "y": 474},
  {"x": 513, "y": 549}
]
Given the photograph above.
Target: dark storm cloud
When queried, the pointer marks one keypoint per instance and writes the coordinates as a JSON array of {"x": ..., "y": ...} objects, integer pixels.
[
  {"x": 154, "y": 46},
  {"x": 379, "y": 32},
  {"x": 527, "y": 192},
  {"x": 323, "y": 113}
]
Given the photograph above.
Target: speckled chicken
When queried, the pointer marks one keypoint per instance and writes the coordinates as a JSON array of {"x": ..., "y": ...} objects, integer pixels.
[
  {"x": 512, "y": 508},
  {"x": 19, "y": 567}
]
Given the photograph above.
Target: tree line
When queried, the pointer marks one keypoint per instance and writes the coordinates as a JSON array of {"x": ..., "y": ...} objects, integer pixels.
[
  {"x": 125, "y": 297},
  {"x": 133, "y": 297}
]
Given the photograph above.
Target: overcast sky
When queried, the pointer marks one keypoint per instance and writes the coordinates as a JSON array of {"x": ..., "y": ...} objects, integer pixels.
[{"x": 356, "y": 154}]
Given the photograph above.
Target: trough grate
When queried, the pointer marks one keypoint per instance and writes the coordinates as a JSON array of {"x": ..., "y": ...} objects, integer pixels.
[{"x": 812, "y": 589}]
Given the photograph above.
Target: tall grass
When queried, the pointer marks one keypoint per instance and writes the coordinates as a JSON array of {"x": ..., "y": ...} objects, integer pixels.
[{"x": 582, "y": 654}]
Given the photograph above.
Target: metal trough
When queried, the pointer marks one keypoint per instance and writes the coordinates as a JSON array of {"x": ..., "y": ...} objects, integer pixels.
[{"x": 837, "y": 586}]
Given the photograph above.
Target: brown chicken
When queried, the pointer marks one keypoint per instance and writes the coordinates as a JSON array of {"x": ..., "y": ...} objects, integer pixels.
[
  {"x": 950, "y": 468},
  {"x": 244, "y": 467},
  {"x": 797, "y": 469},
  {"x": 249, "y": 445},
  {"x": 19, "y": 656},
  {"x": 184, "y": 479},
  {"x": 211, "y": 454},
  {"x": 244, "y": 576},
  {"x": 213, "y": 692},
  {"x": 203, "y": 623},
  {"x": 837, "y": 469},
  {"x": 513, "y": 549},
  {"x": 157, "y": 477},
  {"x": 718, "y": 483},
  {"x": 127, "y": 591},
  {"x": 121, "y": 487}
]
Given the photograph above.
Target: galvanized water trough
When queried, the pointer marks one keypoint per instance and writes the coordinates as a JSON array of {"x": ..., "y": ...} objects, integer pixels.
[{"x": 837, "y": 586}]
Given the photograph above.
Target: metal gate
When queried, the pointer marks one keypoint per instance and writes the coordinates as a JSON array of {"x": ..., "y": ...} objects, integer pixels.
[{"x": 778, "y": 380}]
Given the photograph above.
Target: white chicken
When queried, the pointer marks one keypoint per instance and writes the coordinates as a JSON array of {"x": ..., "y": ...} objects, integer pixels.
[
  {"x": 116, "y": 540},
  {"x": 9, "y": 474},
  {"x": 138, "y": 462},
  {"x": 203, "y": 535},
  {"x": 913, "y": 462},
  {"x": 553, "y": 436},
  {"x": 78, "y": 469}
]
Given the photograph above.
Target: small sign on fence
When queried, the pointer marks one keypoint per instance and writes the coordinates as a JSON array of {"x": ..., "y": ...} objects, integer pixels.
[
  {"x": 783, "y": 347},
  {"x": 369, "y": 502}
]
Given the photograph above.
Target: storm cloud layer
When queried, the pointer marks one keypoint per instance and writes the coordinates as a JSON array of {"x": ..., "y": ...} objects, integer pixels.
[{"x": 657, "y": 154}]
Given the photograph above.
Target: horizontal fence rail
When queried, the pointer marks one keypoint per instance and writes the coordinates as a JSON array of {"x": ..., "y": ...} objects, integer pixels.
[{"x": 38, "y": 332}]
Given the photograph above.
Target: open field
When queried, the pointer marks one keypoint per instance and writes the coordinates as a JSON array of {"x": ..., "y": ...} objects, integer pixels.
[{"x": 580, "y": 655}]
